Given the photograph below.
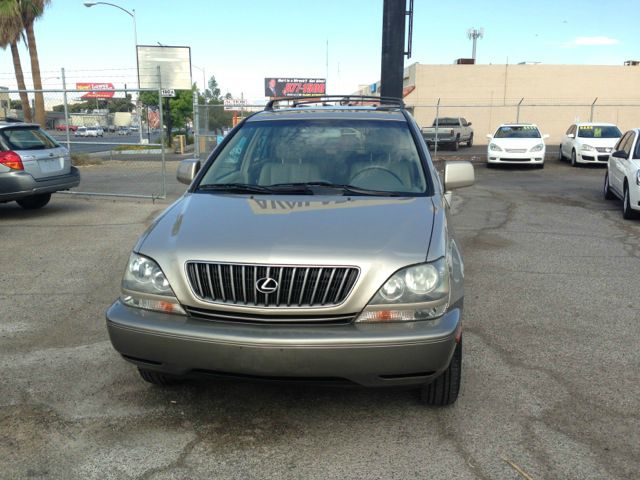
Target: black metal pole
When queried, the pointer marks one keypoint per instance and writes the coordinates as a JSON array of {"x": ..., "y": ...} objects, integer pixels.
[{"x": 392, "y": 68}]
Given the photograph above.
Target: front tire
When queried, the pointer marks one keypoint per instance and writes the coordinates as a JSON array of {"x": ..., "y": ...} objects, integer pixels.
[
  {"x": 470, "y": 142},
  {"x": 35, "y": 201},
  {"x": 560, "y": 155},
  {"x": 608, "y": 194},
  {"x": 444, "y": 389},
  {"x": 627, "y": 212},
  {"x": 574, "y": 160},
  {"x": 156, "y": 378}
]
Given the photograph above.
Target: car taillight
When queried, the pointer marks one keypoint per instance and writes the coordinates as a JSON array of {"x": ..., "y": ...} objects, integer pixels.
[{"x": 12, "y": 160}]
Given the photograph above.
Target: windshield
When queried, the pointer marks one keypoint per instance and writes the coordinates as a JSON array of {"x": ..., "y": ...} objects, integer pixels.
[
  {"x": 362, "y": 155},
  {"x": 599, "y": 131},
  {"x": 28, "y": 138},
  {"x": 517, "y": 131}
]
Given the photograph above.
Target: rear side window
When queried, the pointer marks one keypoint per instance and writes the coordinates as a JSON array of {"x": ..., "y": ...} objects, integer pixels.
[{"x": 27, "y": 139}]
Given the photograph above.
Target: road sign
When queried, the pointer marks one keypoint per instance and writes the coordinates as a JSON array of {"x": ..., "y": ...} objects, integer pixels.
[{"x": 168, "y": 92}]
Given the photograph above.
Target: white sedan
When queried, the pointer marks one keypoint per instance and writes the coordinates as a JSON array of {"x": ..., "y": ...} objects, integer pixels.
[
  {"x": 589, "y": 142},
  {"x": 623, "y": 174},
  {"x": 516, "y": 143}
]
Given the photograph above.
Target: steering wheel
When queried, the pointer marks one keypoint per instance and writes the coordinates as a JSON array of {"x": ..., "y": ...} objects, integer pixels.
[{"x": 377, "y": 167}]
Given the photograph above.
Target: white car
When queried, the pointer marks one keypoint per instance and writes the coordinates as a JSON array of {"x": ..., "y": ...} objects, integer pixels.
[
  {"x": 95, "y": 132},
  {"x": 623, "y": 174},
  {"x": 80, "y": 132},
  {"x": 516, "y": 143},
  {"x": 589, "y": 142}
]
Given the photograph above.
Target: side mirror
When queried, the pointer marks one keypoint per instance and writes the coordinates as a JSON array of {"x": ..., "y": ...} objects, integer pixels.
[
  {"x": 571, "y": 135},
  {"x": 187, "y": 170},
  {"x": 458, "y": 175},
  {"x": 545, "y": 136},
  {"x": 619, "y": 154},
  {"x": 468, "y": 124},
  {"x": 489, "y": 136}
]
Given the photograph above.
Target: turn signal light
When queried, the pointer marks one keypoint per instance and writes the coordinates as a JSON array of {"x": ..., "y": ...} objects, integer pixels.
[{"x": 12, "y": 160}]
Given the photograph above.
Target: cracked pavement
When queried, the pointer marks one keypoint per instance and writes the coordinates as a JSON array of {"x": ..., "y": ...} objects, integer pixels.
[{"x": 550, "y": 366}]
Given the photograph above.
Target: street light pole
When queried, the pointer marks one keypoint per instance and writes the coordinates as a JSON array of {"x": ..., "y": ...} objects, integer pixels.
[{"x": 132, "y": 14}]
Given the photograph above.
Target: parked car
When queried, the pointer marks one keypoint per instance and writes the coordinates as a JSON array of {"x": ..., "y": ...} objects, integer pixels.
[
  {"x": 32, "y": 166},
  {"x": 589, "y": 142},
  {"x": 516, "y": 143},
  {"x": 80, "y": 132},
  {"x": 622, "y": 179},
  {"x": 449, "y": 131},
  {"x": 62, "y": 127},
  {"x": 123, "y": 131},
  {"x": 94, "y": 132},
  {"x": 267, "y": 266}
]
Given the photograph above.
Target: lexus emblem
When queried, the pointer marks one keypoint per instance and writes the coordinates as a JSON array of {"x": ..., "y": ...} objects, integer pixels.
[{"x": 267, "y": 285}]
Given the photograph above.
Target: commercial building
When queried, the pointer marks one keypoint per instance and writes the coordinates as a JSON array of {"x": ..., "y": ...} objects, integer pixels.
[{"x": 551, "y": 96}]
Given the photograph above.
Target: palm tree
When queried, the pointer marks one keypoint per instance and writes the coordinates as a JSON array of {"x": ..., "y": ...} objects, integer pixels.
[
  {"x": 30, "y": 10},
  {"x": 10, "y": 32}
]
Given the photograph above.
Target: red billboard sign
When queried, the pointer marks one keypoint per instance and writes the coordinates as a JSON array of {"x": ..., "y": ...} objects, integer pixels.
[
  {"x": 96, "y": 90},
  {"x": 294, "y": 87}
]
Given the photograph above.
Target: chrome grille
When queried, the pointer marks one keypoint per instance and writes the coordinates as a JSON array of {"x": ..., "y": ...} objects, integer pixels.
[
  {"x": 604, "y": 149},
  {"x": 298, "y": 286},
  {"x": 516, "y": 150}
]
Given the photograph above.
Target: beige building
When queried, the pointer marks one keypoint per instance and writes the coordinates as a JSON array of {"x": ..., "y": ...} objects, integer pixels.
[{"x": 551, "y": 96}]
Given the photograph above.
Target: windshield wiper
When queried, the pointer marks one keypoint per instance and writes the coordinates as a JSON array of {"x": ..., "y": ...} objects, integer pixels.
[
  {"x": 345, "y": 189},
  {"x": 234, "y": 188}
]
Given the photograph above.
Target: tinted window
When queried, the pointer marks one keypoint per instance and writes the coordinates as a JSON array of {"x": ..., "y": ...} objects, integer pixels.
[
  {"x": 447, "y": 122},
  {"x": 595, "y": 131},
  {"x": 569, "y": 131},
  {"x": 29, "y": 138},
  {"x": 626, "y": 146},
  {"x": 368, "y": 154},
  {"x": 520, "y": 131}
]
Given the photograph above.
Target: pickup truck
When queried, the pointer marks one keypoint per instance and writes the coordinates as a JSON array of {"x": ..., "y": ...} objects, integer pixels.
[{"x": 451, "y": 131}]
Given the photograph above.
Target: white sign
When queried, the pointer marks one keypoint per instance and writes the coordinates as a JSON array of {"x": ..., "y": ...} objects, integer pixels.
[
  {"x": 234, "y": 103},
  {"x": 174, "y": 64},
  {"x": 167, "y": 92}
]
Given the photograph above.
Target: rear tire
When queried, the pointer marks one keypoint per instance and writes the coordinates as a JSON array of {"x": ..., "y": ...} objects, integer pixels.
[
  {"x": 608, "y": 194},
  {"x": 470, "y": 142},
  {"x": 444, "y": 389},
  {"x": 156, "y": 378},
  {"x": 35, "y": 201}
]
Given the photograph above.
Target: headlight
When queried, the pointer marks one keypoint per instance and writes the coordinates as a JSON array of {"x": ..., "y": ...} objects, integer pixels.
[
  {"x": 538, "y": 147},
  {"x": 419, "y": 292},
  {"x": 495, "y": 148},
  {"x": 587, "y": 148},
  {"x": 144, "y": 285}
]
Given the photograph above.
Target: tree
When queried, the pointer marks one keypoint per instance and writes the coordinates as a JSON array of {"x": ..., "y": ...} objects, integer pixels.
[
  {"x": 10, "y": 33},
  {"x": 30, "y": 11}
]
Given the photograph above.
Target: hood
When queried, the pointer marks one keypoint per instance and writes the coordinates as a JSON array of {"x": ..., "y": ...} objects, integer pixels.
[
  {"x": 598, "y": 142},
  {"x": 517, "y": 142},
  {"x": 292, "y": 229}
]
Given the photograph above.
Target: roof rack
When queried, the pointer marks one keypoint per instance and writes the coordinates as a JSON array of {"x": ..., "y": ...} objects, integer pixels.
[{"x": 340, "y": 100}]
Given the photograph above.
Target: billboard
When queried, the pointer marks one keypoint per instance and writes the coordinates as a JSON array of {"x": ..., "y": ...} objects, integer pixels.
[
  {"x": 294, "y": 87},
  {"x": 174, "y": 63},
  {"x": 96, "y": 90}
]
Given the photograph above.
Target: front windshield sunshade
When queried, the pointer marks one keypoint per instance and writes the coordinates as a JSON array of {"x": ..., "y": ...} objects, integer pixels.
[
  {"x": 311, "y": 156},
  {"x": 517, "y": 131}
]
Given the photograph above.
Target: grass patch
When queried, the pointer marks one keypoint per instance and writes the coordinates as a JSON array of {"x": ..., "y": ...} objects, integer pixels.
[
  {"x": 134, "y": 147},
  {"x": 82, "y": 159}
]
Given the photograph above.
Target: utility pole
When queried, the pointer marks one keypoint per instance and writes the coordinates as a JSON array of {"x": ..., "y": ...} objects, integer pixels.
[
  {"x": 393, "y": 52},
  {"x": 474, "y": 34}
]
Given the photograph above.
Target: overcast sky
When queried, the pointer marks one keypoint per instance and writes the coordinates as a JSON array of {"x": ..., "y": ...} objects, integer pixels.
[{"x": 243, "y": 41}]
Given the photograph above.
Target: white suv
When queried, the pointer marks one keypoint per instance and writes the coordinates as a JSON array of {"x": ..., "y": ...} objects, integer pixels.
[
  {"x": 589, "y": 142},
  {"x": 623, "y": 174}
]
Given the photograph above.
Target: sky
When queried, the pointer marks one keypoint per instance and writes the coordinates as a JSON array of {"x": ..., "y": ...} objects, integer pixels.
[{"x": 243, "y": 41}]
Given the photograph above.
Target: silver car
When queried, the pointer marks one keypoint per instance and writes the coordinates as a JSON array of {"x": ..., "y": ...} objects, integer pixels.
[
  {"x": 32, "y": 165},
  {"x": 313, "y": 244}
]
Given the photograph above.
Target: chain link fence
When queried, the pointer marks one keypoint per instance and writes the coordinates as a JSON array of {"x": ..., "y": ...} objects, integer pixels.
[{"x": 115, "y": 140}]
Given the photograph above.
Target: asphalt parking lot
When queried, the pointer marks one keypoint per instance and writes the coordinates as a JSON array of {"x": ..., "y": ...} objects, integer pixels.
[{"x": 550, "y": 373}]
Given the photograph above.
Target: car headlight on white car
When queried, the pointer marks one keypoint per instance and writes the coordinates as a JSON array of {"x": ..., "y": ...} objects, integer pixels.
[
  {"x": 145, "y": 285},
  {"x": 537, "y": 148},
  {"x": 495, "y": 148},
  {"x": 587, "y": 148},
  {"x": 419, "y": 292}
]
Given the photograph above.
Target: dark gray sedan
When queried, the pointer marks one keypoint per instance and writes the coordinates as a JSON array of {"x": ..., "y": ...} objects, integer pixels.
[{"x": 32, "y": 165}]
